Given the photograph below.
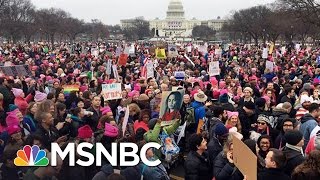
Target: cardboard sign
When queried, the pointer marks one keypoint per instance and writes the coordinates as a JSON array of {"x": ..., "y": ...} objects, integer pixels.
[
  {"x": 111, "y": 91},
  {"x": 123, "y": 59},
  {"x": 265, "y": 53},
  {"x": 179, "y": 75},
  {"x": 269, "y": 65},
  {"x": 150, "y": 71},
  {"x": 244, "y": 159},
  {"x": 214, "y": 68},
  {"x": 161, "y": 53}
]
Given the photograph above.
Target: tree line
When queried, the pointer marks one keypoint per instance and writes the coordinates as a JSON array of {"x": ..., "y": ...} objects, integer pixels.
[{"x": 284, "y": 20}]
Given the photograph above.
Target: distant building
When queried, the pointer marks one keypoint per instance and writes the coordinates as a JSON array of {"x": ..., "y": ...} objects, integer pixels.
[
  {"x": 127, "y": 23},
  {"x": 175, "y": 24}
]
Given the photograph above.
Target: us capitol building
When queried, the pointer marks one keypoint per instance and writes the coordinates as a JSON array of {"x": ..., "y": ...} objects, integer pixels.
[{"x": 176, "y": 25}]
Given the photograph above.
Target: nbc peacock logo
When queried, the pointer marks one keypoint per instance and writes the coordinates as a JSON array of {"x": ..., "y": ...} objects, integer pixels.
[{"x": 31, "y": 156}]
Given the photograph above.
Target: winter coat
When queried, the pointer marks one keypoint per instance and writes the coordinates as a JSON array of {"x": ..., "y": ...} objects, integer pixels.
[
  {"x": 214, "y": 148},
  {"x": 223, "y": 170},
  {"x": 105, "y": 171},
  {"x": 281, "y": 115},
  {"x": 308, "y": 123},
  {"x": 197, "y": 167},
  {"x": 307, "y": 174},
  {"x": 294, "y": 158},
  {"x": 272, "y": 174}
]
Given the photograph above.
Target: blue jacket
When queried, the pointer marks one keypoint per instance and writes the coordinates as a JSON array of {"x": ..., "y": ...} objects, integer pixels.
[
  {"x": 199, "y": 110},
  {"x": 308, "y": 123}
]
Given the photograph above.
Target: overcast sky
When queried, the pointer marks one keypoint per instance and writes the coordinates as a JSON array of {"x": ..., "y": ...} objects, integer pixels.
[{"x": 111, "y": 11}]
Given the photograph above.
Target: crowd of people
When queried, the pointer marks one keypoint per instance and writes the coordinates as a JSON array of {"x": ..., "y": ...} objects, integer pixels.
[{"x": 274, "y": 111}]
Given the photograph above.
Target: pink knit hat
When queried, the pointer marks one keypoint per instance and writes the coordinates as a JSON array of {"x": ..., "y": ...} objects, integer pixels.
[
  {"x": 12, "y": 129},
  {"x": 12, "y": 118},
  {"x": 16, "y": 92},
  {"x": 85, "y": 132},
  {"x": 39, "y": 96},
  {"x": 110, "y": 131},
  {"x": 105, "y": 110},
  {"x": 222, "y": 84},
  {"x": 230, "y": 114}
]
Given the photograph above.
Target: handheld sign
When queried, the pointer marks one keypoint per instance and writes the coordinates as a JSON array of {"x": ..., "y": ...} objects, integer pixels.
[
  {"x": 179, "y": 75},
  {"x": 111, "y": 91},
  {"x": 214, "y": 68}
]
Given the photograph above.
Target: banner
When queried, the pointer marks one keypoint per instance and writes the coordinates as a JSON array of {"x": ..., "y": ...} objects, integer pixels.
[
  {"x": 115, "y": 72},
  {"x": 214, "y": 68},
  {"x": 265, "y": 53},
  {"x": 150, "y": 71},
  {"x": 172, "y": 51},
  {"x": 18, "y": 70},
  {"x": 161, "y": 53},
  {"x": 179, "y": 75},
  {"x": 111, "y": 91},
  {"x": 269, "y": 65},
  {"x": 123, "y": 59},
  {"x": 109, "y": 65}
]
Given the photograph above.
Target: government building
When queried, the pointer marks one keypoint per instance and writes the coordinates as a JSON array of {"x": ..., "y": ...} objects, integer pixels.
[{"x": 175, "y": 25}]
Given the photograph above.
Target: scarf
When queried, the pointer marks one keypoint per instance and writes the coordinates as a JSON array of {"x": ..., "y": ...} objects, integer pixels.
[{"x": 296, "y": 148}]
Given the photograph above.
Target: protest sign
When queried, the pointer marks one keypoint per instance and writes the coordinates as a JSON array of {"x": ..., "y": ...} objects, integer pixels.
[
  {"x": 161, "y": 53},
  {"x": 18, "y": 70},
  {"x": 189, "y": 49},
  {"x": 150, "y": 70},
  {"x": 125, "y": 121},
  {"x": 283, "y": 50},
  {"x": 111, "y": 91},
  {"x": 172, "y": 51},
  {"x": 203, "y": 49},
  {"x": 244, "y": 159},
  {"x": 265, "y": 53},
  {"x": 269, "y": 65},
  {"x": 109, "y": 66},
  {"x": 118, "y": 51},
  {"x": 218, "y": 52},
  {"x": 115, "y": 72},
  {"x": 179, "y": 75},
  {"x": 132, "y": 49},
  {"x": 214, "y": 68},
  {"x": 271, "y": 48},
  {"x": 123, "y": 59},
  {"x": 171, "y": 103}
]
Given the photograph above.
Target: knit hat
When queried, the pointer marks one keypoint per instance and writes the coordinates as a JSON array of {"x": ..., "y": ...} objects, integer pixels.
[
  {"x": 85, "y": 132},
  {"x": 110, "y": 131},
  {"x": 16, "y": 92},
  {"x": 248, "y": 89},
  {"x": 264, "y": 118},
  {"x": 105, "y": 110},
  {"x": 12, "y": 118},
  {"x": 12, "y": 129},
  {"x": 39, "y": 96},
  {"x": 293, "y": 137},
  {"x": 305, "y": 98},
  {"x": 221, "y": 130},
  {"x": 12, "y": 107},
  {"x": 260, "y": 102},
  {"x": 223, "y": 98},
  {"x": 230, "y": 114},
  {"x": 249, "y": 105}
]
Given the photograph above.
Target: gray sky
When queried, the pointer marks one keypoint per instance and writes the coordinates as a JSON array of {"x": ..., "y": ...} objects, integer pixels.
[{"x": 111, "y": 11}]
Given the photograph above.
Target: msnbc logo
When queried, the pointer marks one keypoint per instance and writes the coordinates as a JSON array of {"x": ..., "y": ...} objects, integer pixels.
[{"x": 31, "y": 156}]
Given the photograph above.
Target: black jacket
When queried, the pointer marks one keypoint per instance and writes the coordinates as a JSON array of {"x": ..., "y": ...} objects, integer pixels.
[
  {"x": 197, "y": 167},
  {"x": 246, "y": 122},
  {"x": 272, "y": 174},
  {"x": 223, "y": 170},
  {"x": 294, "y": 158},
  {"x": 47, "y": 138}
]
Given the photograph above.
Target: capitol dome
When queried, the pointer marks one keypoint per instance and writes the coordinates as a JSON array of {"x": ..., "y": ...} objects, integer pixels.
[{"x": 175, "y": 10}]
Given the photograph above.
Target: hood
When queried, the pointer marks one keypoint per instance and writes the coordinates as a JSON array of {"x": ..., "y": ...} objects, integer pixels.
[
  {"x": 306, "y": 118},
  {"x": 291, "y": 153},
  {"x": 107, "y": 169}
]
